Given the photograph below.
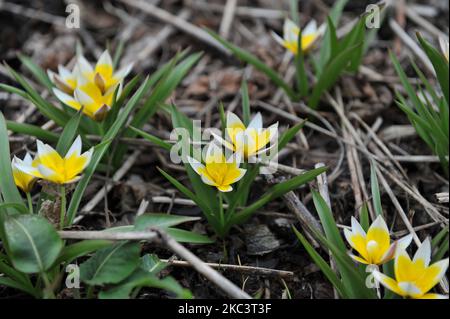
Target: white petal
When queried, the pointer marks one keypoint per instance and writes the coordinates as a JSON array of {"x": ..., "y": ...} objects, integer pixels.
[
  {"x": 63, "y": 97},
  {"x": 233, "y": 120},
  {"x": 277, "y": 38},
  {"x": 404, "y": 242},
  {"x": 196, "y": 165},
  {"x": 290, "y": 30},
  {"x": 88, "y": 156},
  {"x": 241, "y": 174},
  {"x": 45, "y": 171},
  {"x": 207, "y": 181},
  {"x": 82, "y": 97},
  {"x": 310, "y": 28},
  {"x": 123, "y": 72},
  {"x": 83, "y": 65},
  {"x": 348, "y": 235},
  {"x": 380, "y": 223},
  {"x": 64, "y": 72},
  {"x": 424, "y": 252},
  {"x": 105, "y": 58},
  {"x": 27, "y": 169},
  {"x": 75, "y": 148},
  {"x": 51, "y": 75},
  {"x": 256, "y": 122},
  {"x": 356, "y": 227},
  {"x": 409, "y": 288},
  {"x": 44, "y": 149},
  {"x": 28, "y": 160},
  {"x": 273, "y": 131}
]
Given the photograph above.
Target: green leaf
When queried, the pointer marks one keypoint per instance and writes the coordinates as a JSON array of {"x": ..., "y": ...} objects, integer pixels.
[
  {"x": 376, "y": 197},
  {"x": 364, "y": 217},
  {"x": 440, "y": 64},
  {"x": 81, "y": 248},
  {"x": 68, "y": 134},
  {"x": 323, "y": 265},
  {"x": 111, "y": 265},
  {"x": 101, "y": 149},
  {"x": 32, "y": 130},
  {"x": 8, "y": 188},
  {"x": 289, "y": 135},
  {"x": 161, "y": 220},
  {"x": 277, "y": 191},
  {"x": 184, "y": 236},
  {"x": 140, "y": 279},
  {"x": 151, "y": 138},
  {"x": 328, "y": 222},
  {"x": 37, "y": 71},
  {"x": 33, "y": 243},
  {"x": 46, "y": 108},
  {"x": 331, "y": 73},
  {"x": 258, "y": 64},
  {"x": 245, "y": 103}
]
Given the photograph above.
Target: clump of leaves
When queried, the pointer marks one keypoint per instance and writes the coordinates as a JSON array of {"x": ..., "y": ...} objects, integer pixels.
[
  {"x": 336, "y": 57},
  {"x": 426, "y": 106}
]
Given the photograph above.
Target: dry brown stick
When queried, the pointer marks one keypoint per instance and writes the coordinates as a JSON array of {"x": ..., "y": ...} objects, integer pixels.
[
  {"x": 442, "y": 197},
  {"x": 177, "y": 22},
  {"x": 159, "y": 236},
  {"x": 250, "y": 12},
  {"x": 260, "y": 271},
  {"x": 227, "y": 18},
  {"x": 223, "y": 283},
  {"x": 353, "y": 174},
  {"x": 411, "y": 44}
]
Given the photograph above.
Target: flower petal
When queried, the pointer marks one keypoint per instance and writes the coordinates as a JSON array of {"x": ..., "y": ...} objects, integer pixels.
[
  {"x": 424, "y": 252},
  {"x": 75, "y": 149},
  {"x": 196, "y": 165},
  {"x": 256, "y": 122},
  {"x": 388, "y": 282},
  {"x": 310, "y": 28}
]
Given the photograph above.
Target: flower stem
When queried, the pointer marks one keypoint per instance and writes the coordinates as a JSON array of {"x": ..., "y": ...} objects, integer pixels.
[
  {"x": 30, "y": 203},
  {"x": 62, "y": 217},
  {"x": 221, "y": 215}
]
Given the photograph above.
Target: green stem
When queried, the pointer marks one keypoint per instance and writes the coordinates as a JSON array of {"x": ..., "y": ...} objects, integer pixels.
[
  {"x": 62, "y": 217},
  {"x": 48, "y": 291},
  {"x": 221, "y": 214},
  {"x": 30, "y": 203}
]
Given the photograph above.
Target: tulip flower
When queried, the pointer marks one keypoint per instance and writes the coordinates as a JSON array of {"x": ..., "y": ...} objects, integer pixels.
[
  {"x": 290, "y": 36},
  {"x": 55, "y": 168},
  {"x": 103, "y": 75},
  {"x": 65, "y": 80},
  {"x": 90, "y": 98},
  {"x": 24, "y": 180},
  {"x": 217, "y": 170},
  {"x": 247, "y": 141},
  {"x": 374, "y": 247},
  {"x": 415, "y": 278}
]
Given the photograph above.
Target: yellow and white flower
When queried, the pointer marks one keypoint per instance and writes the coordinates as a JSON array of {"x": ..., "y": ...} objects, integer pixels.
[
  {"x": 95, "y": 103},
  {"x": 415, "y": 278},
  {"x": 103, "y": 75},
  {"x": 247, "y": 141},
  {"x": 217, "y": 170},
  {"x": 374, "y": 248},
  {"x": 55, "y": 168},
  {"x": 444, "y": 47},
  {"x": 24, "y": 180},
  {"x": 65, "y": 80},
  {"x": 290, "y": 36}
]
